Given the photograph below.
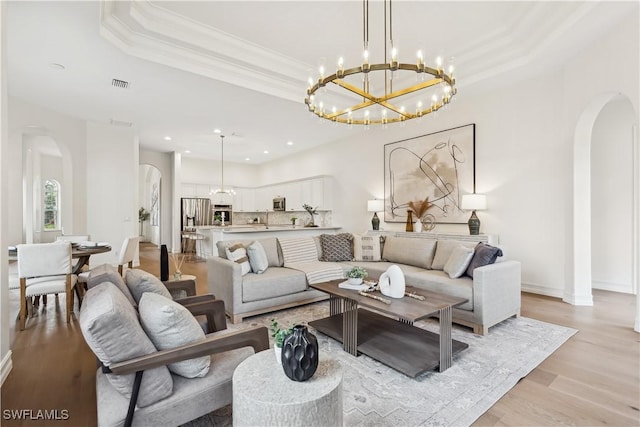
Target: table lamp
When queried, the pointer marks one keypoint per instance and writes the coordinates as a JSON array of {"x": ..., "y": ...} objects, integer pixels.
[
  {"x": 375, "y": 206},
  {"x": 474, "y": 202}
]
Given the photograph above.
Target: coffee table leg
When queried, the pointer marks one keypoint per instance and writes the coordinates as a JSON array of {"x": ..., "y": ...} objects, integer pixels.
[
  {"x": 335, "y": 305},
  {"x": 350, "y": 326},
  {"x": 446, "y": 356}
]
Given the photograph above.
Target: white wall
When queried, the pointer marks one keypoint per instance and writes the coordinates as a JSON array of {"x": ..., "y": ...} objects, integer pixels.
[
  {"x": 202, "y": 171},
  {"x": 611, "y": 197},
  {"x": 112, "y": 204},
  {"x": 5, "y": 351}
]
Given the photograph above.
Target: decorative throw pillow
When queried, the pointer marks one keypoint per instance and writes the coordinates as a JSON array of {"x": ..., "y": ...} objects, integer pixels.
[
  {"x": 483, "y": 255},
  {"x": 238, "y": 253},
  {"x": 366, "y": 248},
  {"x": 170, "y": 325},
  {"x": 139, "y": 282},
  {"x": 257, "y": 258},
  {"x": 336, "y": 247},
  {"x": 111, "y": 329},
  {"x": 443, "y": 251},
  {"x": 108, "y": 273},
  {"x": 414, "y": 251},
  {"x": 458, "y": 261},
  {"x": 296, "y": 250}
]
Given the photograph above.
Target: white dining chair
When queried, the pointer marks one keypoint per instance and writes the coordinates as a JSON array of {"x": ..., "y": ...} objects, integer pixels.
[
  {"x": 45, "y": 268},
  {"x": 125, "y": 258}
]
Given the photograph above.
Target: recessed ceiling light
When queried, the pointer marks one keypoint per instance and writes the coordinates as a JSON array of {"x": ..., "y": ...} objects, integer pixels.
[
  {"x": 266, "y": 151},
  {"x": 167, "y": 138},
  {"x": 57, "y": 66},
  {"x": 217, "y": 131},
  {"x": 290, "y": 143},
  {"x": 247, "y": 159},
  {"x": 187, "y": 151}
]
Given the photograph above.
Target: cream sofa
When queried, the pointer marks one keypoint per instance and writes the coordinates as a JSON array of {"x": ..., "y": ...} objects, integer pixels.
[{"x": 493, "y": 293}]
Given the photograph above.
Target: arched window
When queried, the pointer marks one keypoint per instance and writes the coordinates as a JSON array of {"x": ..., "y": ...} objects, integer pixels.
[{"x": 51, "y": 205}]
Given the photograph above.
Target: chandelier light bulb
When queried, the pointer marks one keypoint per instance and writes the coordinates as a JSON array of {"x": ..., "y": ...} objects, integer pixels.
[
  {"x": 439, "y": 62},
  {"x": 394, "y": 54},
  {"x": 340, "y": 62},
  {"x": 365, "y": 55}
]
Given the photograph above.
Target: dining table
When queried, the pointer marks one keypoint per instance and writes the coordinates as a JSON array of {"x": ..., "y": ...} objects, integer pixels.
[{"x": 80, "y": 253}]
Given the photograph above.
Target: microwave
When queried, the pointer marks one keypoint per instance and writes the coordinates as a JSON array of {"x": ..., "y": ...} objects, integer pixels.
[{"x": 279, "y": 204}]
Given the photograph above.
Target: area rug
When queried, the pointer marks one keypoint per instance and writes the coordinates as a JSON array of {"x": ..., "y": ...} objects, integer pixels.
[{"x": 376, "y": 395}]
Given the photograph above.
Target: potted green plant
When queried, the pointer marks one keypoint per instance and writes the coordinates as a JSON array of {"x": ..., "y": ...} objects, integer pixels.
[
  {"x": 278, "y": 334},
  {"x": 356, "y": 275},
  {"x": 293, "y": 221}
]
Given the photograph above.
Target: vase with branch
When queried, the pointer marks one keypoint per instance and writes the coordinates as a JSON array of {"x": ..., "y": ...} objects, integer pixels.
[
  {"x": 420, "y": 208},
  {"x": 143, "y": 215},
  {"x": 312, "y": 211},
  {"x": 178, "y": 259}
]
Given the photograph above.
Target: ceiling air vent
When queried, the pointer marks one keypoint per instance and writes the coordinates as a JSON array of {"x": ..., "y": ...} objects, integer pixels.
[
  {"x": 119, "y": 83},
  {"x": 120, "y": 123}
]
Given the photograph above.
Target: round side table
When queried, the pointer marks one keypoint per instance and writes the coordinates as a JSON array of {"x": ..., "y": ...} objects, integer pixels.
[{"x": 263, "y": 395}]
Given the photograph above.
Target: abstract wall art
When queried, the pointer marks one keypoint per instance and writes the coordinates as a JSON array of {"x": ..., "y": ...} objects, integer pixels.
[{"x": 440, "y": 166}]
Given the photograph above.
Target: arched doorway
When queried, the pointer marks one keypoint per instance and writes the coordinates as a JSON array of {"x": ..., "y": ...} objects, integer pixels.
[
  {"x": 150, "y": 201},
  {"x": 578, "y": 290}
]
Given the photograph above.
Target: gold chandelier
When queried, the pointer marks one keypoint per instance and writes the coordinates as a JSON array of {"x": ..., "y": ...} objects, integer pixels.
[{"x": 392, "y": 102}]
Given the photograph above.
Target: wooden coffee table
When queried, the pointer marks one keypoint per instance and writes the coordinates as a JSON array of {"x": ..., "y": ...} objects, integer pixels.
[{"x": 385, "y": 332}]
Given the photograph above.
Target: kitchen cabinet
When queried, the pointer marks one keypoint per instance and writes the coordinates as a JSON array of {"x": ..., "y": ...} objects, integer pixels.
[{"x": 244, "y": 200}]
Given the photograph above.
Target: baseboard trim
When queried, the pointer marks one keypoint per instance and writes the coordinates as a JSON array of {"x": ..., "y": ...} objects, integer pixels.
[
  {"x": 613, "y": 287},
  {"x": 542, "y": 290},
  {"x": 5, "y": 367}
]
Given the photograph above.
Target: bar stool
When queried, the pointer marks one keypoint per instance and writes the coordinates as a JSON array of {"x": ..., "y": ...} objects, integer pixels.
[{"x": 195, "y": 243}]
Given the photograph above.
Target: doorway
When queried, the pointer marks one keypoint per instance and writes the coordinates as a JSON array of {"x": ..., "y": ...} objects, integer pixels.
[{"x": 150, "y": 201}]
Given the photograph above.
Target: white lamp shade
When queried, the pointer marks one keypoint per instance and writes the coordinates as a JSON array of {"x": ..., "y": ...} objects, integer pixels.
[
  {"x": 376, "y": 205},
  {"x": 474, "y": 202}
]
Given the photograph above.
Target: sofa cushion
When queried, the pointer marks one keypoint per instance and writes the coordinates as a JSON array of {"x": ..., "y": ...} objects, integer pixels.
[
  {"x": 336, "y": 247},
  {"x": 366, "y": 248},
  {"x": 408, "y": 250},
  {"x": 257, "y": 257},
  {"x": 110, "y": 327},
  {"x": 443, "y": 251},
  {"x": 483, "y": 255},
  {"x": 170, "y": 325},
  {"x": 238, "y": 253},
  {"x": 275, "y": 282},
  {"x": 439, "y": 281},
  {"x": 298, "y": 249},
  {"x": 458, "y": 261},
  {"x": 270, "y": 245},
  {"x": 139, "y": 282},
  {"x": 108, "y": 273}
]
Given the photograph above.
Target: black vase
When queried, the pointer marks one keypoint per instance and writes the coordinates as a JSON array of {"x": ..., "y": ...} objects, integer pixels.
[
  {"x": 300, "y": 354},
  {"x": 164, "y": 263}
]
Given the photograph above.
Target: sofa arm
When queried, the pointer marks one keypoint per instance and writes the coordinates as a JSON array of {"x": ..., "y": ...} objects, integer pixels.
[
  {"x": 496, "y": 292},
  {"x": 225, "y": 282}
]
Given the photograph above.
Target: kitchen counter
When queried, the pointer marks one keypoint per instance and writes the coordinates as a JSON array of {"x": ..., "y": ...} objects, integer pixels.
[{"x": 213, "y": 234}]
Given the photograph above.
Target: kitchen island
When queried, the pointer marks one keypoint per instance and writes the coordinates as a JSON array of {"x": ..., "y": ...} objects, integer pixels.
[{"x": 213, "y": 234}]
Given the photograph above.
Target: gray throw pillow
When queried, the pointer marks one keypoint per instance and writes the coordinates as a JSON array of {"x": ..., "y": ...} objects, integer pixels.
[
  {"x": 483, "y": 255},
  {"x": 257, "y": 258},
  {"x": 170, "y": 325},
  {"x": 336, "y": 247},
  {"x": 139, "y": 282},
  {"x": 110, "y": 327},
  {"x": 108, "y": 273},
  {"x": 458, "y": 261}
]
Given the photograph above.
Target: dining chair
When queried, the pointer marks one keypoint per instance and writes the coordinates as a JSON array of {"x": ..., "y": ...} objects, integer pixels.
[
  {"x": 125, "y": 258},
  {"x": 45, "y": 268}
]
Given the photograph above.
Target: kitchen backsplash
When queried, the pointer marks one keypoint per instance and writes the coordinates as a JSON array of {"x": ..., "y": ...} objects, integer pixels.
[{"x": 322, "y": 218}]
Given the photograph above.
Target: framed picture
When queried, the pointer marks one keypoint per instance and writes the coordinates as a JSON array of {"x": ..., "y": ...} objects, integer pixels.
[
  {"x": 155, "y": 209},
  {"x": 440, "y": 166}
]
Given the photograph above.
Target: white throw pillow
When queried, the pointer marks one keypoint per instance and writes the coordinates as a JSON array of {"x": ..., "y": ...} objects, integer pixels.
[
  {"x": 257, "y": 257},
  {"x": 170, "y": 325},
  {"x": 238, "y": 253},
  {"x": 443, "y": 252},
  {"x": 296, "y": 250},
  {"x": 366, "y": 248},
  {"x": 458, "y": 261}
]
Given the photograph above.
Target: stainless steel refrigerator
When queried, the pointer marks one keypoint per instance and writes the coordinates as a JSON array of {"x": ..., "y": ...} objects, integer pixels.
[{"x": 194, "y": 212}]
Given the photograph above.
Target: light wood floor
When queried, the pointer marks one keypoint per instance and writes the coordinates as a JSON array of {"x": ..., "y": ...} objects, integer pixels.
[{"x": 592, "y": 380}]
